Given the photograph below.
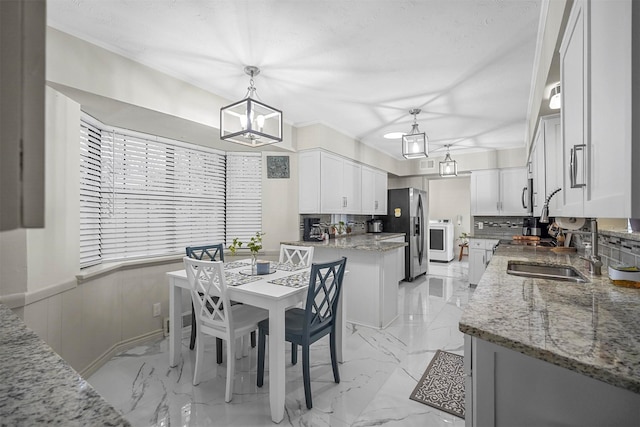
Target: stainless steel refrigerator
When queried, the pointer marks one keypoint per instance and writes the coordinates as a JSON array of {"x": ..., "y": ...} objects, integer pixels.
[{"x": 408, "y": 212}]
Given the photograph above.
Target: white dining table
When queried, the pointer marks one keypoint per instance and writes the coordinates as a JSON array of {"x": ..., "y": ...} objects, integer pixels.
[{"x": 260, "y": 293}]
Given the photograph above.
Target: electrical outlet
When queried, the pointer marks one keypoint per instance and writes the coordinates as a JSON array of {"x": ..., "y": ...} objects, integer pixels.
[
  {"x": 480, "y": 225},
  {"x": 156, "y": 309}
]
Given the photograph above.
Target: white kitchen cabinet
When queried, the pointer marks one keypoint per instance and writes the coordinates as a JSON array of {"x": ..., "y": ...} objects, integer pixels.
[
  {"x": 561, "y": 396},
  {"x": 480, "y": 253},
  {"x": 498, "y": 191},
  {"x": 544, "y": 162},
  {"x": 309, "y": 182},
  {"x": 328, "y": 184},
  {"x": 374, "y": 191},
  {"x": 600, "y": 142}
]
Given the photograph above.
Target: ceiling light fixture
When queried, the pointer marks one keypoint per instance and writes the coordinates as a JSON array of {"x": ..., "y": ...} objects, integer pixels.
[
  {"x": 448, "y": 167},
  {"x": 414, "y": 144},
  {"x": 250, "y": 122},
  {"x": 393, "y": 135},
  {"x": 554, "y": 98}
]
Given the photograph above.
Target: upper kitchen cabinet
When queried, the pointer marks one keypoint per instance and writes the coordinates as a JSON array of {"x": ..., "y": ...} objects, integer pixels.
[
  {"x": 329, "y": 184},
  {"x": 599, "y": 127},
  {"x": 545, "y": 167},
  {"x": 498, "y": 192},
  {"x": 374, "y": 191}
]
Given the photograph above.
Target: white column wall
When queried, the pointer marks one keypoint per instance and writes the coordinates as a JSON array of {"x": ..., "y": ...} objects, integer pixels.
[{"x": 53, "y": 251}]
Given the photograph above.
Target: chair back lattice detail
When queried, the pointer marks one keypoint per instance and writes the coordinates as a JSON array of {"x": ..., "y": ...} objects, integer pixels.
[
  {"x": 209, "y": 293},
  {"x": 325, "y": 285},
  {"x": 207, "y": 252},
  {"x": 296, "y": 255}
]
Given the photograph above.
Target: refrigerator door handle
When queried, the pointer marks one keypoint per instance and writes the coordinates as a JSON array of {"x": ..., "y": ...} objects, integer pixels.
[{"x": 419, "y": 225}]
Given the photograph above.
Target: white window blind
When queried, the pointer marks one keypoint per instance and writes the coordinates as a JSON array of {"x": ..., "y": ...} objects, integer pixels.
[
  {"x": 90, "y": 172},
  {"x": 144, "y": 196},
  {"x": 158, "y": 198},
  {"x": 244, "y": 196}
]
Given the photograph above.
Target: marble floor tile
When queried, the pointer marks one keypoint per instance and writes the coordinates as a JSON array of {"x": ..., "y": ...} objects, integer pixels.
[{"x": 381, "y": 369}]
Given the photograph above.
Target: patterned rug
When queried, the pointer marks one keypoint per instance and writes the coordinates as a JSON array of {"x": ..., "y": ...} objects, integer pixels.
[{"x": 442, "y": 385}]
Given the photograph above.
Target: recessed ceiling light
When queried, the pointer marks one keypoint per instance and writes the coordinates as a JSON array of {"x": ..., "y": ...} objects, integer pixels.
[{"x": 394, "y": 135}]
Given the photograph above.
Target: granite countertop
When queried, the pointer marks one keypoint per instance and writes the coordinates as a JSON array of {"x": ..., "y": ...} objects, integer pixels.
[
  {"x": 362, "y": 242},
  {"x": 590, "y": 328},
  {"x": 622, "y": 232},
  {"x": 38, "y": 387}
]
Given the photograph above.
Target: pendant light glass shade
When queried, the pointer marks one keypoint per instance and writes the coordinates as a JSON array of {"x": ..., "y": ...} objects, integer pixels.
[
  {"x": 251, "y": 122},
  {"x": 448, "y": 167},
  {"x": 554, "y": 99},
  {"x": 414, "y": 144}
]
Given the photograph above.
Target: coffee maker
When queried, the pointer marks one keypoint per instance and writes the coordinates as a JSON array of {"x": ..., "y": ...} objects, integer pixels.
[
  {"x": 531, "y": 227},
  {"x": 311, "y": 229}
]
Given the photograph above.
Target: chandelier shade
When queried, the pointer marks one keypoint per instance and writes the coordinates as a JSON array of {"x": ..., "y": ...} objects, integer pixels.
[
  {"x": 415, "y": 143},
  {"x": 251, "y": 122},
  {"x": 448, "y": 167}
]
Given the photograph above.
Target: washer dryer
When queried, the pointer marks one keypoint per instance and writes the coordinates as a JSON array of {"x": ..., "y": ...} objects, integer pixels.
[{"x": 441, "y": 240}]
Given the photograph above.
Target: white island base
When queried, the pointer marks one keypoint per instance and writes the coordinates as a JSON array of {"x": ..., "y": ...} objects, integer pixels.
[{"x": 371, "y": 286}]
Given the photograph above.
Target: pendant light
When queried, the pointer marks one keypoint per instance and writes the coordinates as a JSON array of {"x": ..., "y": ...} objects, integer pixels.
[
  {"x": 448, "y": 167},
  {"x": 554, "y": 99},
  {"x": 250, "y": 122},
  {"x": 414, "y": 144}
]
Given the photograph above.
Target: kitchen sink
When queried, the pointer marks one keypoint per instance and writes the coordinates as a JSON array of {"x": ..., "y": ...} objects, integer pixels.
[{"x": 545, "y": 271}]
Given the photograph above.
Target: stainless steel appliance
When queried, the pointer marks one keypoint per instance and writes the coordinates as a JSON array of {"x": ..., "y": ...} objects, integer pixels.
[
  {"x": 311, "y": 229},
  {"x": 408, "y": 209},
  {"x": 531, "y": 227},
  {"x": 374, "y": 226},
  {"x": 441, "y": 240}
]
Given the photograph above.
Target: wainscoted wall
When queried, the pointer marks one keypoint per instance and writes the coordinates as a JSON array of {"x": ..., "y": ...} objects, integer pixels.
[{"x": 87, "y": 324}]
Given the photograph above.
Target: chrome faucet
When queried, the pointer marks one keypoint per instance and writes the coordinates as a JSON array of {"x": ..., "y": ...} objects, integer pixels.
[
  {"x": 544, "y": 217},
  {"x": 594, "y": 260}
]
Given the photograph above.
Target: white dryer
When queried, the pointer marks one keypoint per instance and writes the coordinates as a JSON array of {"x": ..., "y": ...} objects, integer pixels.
[{"x": 441, "y": 240}]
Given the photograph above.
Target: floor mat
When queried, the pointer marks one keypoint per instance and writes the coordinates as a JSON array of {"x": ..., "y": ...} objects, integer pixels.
[{"x": 442, "y": 385}]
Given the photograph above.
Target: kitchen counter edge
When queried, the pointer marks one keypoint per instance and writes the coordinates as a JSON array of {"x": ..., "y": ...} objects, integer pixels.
[
  {"x": 376, "y": 242},
  {"x": 40, "y": 387},
  {"x": 509, "y": 311}
]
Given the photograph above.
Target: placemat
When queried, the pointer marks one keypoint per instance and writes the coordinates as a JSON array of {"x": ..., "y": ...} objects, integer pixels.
[
  {"x": 235, "y": 264},
  {"x": 236, "y": 279},
  {"x": 285, "y": 266},
  {"x": 294, "y": 281}
]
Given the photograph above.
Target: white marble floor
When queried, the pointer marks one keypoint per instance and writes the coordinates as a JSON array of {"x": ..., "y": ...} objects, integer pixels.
[{"x": 381, "y": 369}]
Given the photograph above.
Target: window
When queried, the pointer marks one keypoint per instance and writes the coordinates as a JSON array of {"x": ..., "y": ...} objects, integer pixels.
[{"x": 156, "y": 196}]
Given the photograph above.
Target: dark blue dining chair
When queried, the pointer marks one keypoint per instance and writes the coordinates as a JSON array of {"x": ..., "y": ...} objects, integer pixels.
[
  {"x": 305, "y": 326},
  {"x": 205, "y": 253}
]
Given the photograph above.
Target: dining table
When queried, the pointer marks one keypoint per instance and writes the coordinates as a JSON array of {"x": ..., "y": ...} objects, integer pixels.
[{"x": 283, "y": 287}]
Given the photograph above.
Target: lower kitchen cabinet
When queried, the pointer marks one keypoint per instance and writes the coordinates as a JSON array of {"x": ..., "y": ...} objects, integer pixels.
[
  {"x": 506, "y": 388},
  {"x": 480, "y": 252}
]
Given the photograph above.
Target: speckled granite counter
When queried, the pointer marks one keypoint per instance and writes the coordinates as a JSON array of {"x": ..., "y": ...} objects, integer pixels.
[
  {"x": 363, "y": 242},
  {"x": 622, "y": 233},
  {"x": 590, "y": 328},
  {"x": 38, "y": 387}
]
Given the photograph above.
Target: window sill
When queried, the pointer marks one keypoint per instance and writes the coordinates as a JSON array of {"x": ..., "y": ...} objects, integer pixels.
[{"x": 106, "y": 268}]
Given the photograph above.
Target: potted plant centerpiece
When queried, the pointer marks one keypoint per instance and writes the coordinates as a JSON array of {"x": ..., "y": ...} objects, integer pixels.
[{"x": 254, "y": 245}]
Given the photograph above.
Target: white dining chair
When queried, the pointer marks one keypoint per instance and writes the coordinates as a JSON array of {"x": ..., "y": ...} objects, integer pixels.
[
  {"x": 217, "y": 317},
  {"x": 296, "y": 255}
]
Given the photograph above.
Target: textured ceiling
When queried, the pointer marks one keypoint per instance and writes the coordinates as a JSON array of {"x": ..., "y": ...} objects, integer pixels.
[{"x": 357, "y": 66}]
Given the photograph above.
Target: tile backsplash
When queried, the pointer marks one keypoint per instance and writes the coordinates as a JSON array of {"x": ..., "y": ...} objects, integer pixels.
[
  {"x": 617, "y": 249},
  {"x": 497, "y": 226}
]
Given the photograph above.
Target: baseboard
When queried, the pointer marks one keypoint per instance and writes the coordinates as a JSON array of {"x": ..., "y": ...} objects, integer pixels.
[{"x": 119, "y": 347}]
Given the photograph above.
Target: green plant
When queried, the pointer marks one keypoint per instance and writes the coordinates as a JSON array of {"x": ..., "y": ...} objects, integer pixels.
[
  {"x": 254, "y": 244},
  {"x": 463, "y": 237}
]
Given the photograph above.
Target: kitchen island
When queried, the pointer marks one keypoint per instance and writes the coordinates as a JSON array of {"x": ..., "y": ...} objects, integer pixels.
[
  {"x": 375, "y": 264},
  {"x": 38, "y": 387},
  {"x": 549, "y": 352}
]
